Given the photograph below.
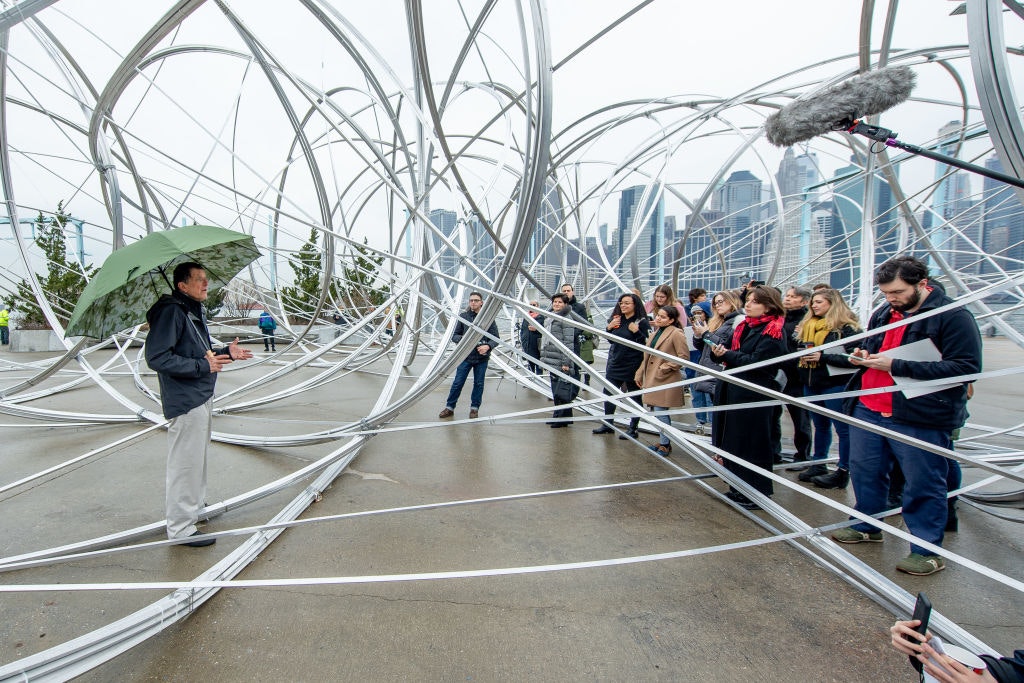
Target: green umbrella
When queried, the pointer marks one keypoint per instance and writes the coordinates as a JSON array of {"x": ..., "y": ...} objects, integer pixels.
[{"x": 135, "y": 276}]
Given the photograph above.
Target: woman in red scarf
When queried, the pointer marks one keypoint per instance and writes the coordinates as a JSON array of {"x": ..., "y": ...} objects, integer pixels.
[{"x": 746, "y": 432}]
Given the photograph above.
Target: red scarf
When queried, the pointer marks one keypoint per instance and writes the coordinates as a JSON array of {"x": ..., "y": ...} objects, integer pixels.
[
  {"x": 772, "y": 329},
  {"x": 876, "y": 379}
]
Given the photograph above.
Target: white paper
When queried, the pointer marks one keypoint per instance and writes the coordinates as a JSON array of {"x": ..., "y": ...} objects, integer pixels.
[{"x": 920, "y": 351}]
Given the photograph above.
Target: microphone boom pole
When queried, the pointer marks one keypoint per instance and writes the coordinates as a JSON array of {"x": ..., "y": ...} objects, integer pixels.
[{"x": 886, "y": 136}]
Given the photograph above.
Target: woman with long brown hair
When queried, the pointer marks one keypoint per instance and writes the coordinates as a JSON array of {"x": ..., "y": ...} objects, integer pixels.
[
  {"x": 746, "y": 432},
  {"x": 659, "y": 377}
]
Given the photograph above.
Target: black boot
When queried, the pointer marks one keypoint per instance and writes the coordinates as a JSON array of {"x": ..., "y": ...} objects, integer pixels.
[
  {"x": 796, "y": 467},
  {"x": 632, "y": 433},
  {"x": 834, "y": 480},
  {"x": 812, "y": 472},
  {"x": 605, "y": 428},
  {"x": 952, "y": 523}
]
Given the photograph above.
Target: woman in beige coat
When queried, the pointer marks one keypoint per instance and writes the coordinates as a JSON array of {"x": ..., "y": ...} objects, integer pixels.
[{"x": 655, "y": 371}]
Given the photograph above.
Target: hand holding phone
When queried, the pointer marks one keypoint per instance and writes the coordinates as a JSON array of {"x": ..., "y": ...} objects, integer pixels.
[{"x": 922, "y": 613}]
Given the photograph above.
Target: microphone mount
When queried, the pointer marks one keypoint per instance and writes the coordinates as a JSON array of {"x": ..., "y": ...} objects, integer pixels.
[{"x": 886, "y": 136}]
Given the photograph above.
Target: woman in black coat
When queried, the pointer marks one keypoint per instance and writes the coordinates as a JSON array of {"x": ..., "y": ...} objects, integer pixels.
[
  {"x": 629, "y": 322},
  {"x": 746, "y": 432}
]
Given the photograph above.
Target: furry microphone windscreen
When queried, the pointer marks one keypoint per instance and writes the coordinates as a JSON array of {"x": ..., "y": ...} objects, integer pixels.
[{"x": 864, "y": 95}]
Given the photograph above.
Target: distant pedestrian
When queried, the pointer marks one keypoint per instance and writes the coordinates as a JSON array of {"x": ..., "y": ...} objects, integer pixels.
[
  {"x": 660, "y": 377},
  {"x": 5, "y": 321},
  {"x": 629, "y": 323},
  {"x": 267, "y": 325},
  {"x": 476, "y": 361}
]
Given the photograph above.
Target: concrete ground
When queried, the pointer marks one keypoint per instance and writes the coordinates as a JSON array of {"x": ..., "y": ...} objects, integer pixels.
[{"x": 757, "y": 613}]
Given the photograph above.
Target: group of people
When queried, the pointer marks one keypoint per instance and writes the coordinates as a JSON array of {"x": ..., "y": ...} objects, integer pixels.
[{"x": 748, "y": 332}]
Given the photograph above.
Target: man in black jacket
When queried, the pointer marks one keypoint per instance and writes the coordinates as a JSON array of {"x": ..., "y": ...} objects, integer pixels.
[
  {"x": 475, "y": 361},
  {"x": 929, "y": 417},
  {"x": 179, "y": 350}
]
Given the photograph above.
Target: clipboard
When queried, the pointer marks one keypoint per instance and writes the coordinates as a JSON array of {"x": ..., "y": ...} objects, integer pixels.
[{"x": 922, "y": 351}]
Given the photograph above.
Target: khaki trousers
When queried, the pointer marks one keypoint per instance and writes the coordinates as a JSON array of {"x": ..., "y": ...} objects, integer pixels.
[{"x": 188, "y": 437}]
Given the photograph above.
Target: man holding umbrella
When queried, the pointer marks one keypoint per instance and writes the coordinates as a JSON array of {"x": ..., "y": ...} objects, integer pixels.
[{"x": 179, "y": 349}]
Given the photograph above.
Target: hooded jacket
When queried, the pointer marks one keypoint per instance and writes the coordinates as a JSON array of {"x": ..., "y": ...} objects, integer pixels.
[
  {"x": 956, "y": 335},
  {"x": 176, "y": 347}
]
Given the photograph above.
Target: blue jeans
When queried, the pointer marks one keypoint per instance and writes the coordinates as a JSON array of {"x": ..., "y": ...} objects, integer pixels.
[
  {"x": 701, "y": 399},
  {"x": 823, "y": 428},
  {"x": 662, "y": 414},
  {"x": 924, "y": 494},
  {"x": 461, "y": 373},
  {"x": 694, "y": 358}
]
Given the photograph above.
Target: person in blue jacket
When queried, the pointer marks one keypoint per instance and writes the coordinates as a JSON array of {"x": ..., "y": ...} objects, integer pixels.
[
  {"x": 267, "y": 325},
  {"x": 179, "y": 350}
]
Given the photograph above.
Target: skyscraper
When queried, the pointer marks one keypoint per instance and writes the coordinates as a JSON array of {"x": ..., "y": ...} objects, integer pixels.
[
  {"x": 642, "y": 226},
  {"x": 1003, "y": 226},
  {"x": 740, "y": 233}
]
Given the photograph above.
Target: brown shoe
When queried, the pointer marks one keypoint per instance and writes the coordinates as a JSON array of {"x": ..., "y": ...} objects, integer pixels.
[
  {"x": 473, "y": 412},
  {"x": 446, "y": 413}
]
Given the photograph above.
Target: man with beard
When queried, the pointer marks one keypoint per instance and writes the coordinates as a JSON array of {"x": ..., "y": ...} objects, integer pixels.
[{"x": 930, "y": 417}]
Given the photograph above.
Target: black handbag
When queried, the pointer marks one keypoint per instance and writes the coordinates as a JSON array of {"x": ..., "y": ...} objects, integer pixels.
[{"x": 565, "y": 391}]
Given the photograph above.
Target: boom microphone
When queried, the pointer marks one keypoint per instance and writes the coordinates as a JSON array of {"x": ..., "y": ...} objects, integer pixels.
[{"x": 837, "y": 107}]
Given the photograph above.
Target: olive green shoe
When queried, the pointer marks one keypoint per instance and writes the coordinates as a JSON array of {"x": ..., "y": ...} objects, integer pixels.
[
  {"x": 921, "y": 565},
  {"x": 850, "y": 535}
]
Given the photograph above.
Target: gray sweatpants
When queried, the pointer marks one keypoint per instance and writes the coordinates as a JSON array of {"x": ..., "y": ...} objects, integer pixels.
[{"x": 188, "y": 437}]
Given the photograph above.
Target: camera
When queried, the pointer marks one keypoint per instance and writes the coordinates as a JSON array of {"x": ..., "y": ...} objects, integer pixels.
[{"x": 806, "y": 345}]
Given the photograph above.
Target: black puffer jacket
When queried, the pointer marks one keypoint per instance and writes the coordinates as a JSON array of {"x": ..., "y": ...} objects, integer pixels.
[
  {"x": 176, "y": 347},
  {"x": 956, "y": 335}
]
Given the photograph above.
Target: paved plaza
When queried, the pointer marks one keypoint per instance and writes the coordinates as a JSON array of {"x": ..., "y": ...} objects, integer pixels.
[{"x": 757, "y": 612}]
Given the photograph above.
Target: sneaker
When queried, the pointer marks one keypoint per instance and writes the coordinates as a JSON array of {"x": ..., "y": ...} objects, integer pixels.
[
  {"x": 812, "y": 472},
  {"x": 850, "y": 535},
  {"x": 664, "y": 450},
  {"x": 473, "y": 413},
  {"x": 921, "y": 565},
  {"x": 446, "y": 413}
]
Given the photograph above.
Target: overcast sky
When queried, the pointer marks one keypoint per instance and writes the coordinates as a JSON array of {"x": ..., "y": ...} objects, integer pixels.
[{"x": 668, "y": 48}]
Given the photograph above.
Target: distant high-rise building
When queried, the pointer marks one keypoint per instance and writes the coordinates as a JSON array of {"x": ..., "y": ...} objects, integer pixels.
[
  {"x": 446, "y": 222},
  {"x": 1003, "y": 223},
  {"x": 640, "y": 224},
  {"x": 848, "y": 217},
  {"x": 953, "y": 221},
  {"x": 740, "y": 233}
]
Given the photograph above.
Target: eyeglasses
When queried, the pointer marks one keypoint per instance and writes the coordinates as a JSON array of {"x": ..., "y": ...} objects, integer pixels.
[
  {"x": 476, "y": 301},
  {"x": 718, "y": 303}
]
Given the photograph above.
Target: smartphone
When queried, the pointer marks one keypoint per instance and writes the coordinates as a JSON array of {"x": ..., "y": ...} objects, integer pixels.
[{"x": 922, "y": 611}]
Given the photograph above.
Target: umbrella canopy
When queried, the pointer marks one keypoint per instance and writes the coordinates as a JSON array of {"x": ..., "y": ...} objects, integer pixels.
[{"x": 135, "y": 276}]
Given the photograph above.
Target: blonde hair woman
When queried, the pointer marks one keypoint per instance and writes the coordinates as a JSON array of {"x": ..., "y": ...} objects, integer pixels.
[{"x": 828, "y": 319}]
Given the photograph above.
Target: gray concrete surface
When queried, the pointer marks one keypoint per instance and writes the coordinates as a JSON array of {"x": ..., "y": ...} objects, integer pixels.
[{"x": 762, "y": 613}]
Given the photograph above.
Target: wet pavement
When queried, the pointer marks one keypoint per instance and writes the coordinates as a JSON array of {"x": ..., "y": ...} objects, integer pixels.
[{"x": 760, "y": 612}]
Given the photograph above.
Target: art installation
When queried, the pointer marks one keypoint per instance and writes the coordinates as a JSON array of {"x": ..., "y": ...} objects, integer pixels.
[{"x": 391, "y": 162}]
